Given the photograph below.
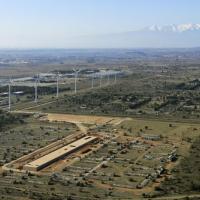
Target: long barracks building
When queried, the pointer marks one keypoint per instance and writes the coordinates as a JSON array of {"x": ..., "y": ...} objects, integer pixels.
[{"x": 54, "y": 156}]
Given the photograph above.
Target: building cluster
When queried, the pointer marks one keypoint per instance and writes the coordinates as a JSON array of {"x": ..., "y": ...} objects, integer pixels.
[{"x": 153, "y": 176}]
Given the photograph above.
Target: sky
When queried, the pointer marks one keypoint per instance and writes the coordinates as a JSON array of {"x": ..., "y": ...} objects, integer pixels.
[{"x": 50, "y": 23}]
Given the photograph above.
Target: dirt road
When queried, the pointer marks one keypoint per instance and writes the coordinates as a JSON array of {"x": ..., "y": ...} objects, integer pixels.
[{"x": 87, "y": 119}]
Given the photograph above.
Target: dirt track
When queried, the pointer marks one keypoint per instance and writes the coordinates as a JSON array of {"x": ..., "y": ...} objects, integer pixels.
[{"x": 84, "y": 119}]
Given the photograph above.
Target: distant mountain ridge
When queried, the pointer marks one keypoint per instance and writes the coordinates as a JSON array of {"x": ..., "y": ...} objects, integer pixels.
[
  {"x": 155, "y": 36},
  {"x": 174, "y": 28}
]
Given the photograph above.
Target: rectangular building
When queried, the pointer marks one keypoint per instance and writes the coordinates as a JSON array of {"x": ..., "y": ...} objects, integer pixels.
[{"x": 52, "y": 157}]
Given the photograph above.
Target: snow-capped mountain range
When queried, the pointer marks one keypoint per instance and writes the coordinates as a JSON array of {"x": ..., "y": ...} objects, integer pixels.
[
  {"x": 174, "y": 28},
  {"x": 168, "y": 36}
]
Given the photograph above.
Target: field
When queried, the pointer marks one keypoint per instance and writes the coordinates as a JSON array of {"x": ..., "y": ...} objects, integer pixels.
[
  {"x": 115, "y": 170},
  {"x": 145, "y": 122}
]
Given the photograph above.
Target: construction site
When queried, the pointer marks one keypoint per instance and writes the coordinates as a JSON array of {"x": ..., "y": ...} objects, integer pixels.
[
  {"x": 43, "y": 159},
  {"x": 68, "y": 149},
  {"x": 107, "y": 153}
]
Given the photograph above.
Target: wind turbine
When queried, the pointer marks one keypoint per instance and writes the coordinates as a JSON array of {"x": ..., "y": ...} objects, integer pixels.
[
  {"x": 92, "y": 81},
  {"x": 100, "y": 80},
  {"x": 76, "y": 71},
  {"x": 115, "y": 78},
  {"x": 36, "y": 88},
  {"x": 108, "y": 81},
  {"x": 57, "y": 85},
  {"x": 9, "y": 94}
]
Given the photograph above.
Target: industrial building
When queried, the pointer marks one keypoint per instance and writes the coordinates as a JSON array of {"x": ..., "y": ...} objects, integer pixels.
[
  {"x": 54, "y": 156},
  {"x": 151, "y": 137}
]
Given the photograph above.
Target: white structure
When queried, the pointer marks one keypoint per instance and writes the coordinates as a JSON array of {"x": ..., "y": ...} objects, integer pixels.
[
  {"x": 9, "y": 95},
  {"x": 92, "y": 81},
  {"x": 108, "y": 81},
  {"x": 100, "y": 80},
  {"x": 115, "y": 78},
  {"x": 57, "y": 86},
  {"x": 75, "y": 79},
  {"x": 36, "y": 88}
]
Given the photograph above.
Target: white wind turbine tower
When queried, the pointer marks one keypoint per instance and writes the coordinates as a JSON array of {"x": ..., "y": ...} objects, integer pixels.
[
  {"x": 76, "y": 71},
  {"x": 100, "y": 80},
  {"x": 9, "y": 94},
  {"x": 36, "y": 88},
  {"x": 57, "y": 85},
  {"x": 108, "y": 81},
  {"x": 92, "y": 81},
  {"x": 115, "y": 78}
]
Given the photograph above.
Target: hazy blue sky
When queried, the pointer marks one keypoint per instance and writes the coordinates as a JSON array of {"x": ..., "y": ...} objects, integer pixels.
[{"x": 47, "y": 23}]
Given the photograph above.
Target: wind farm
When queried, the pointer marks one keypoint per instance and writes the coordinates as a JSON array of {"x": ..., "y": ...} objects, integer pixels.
[
  {"x": 99, "y": 100},
  {"x": 98, "y": 127}
]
